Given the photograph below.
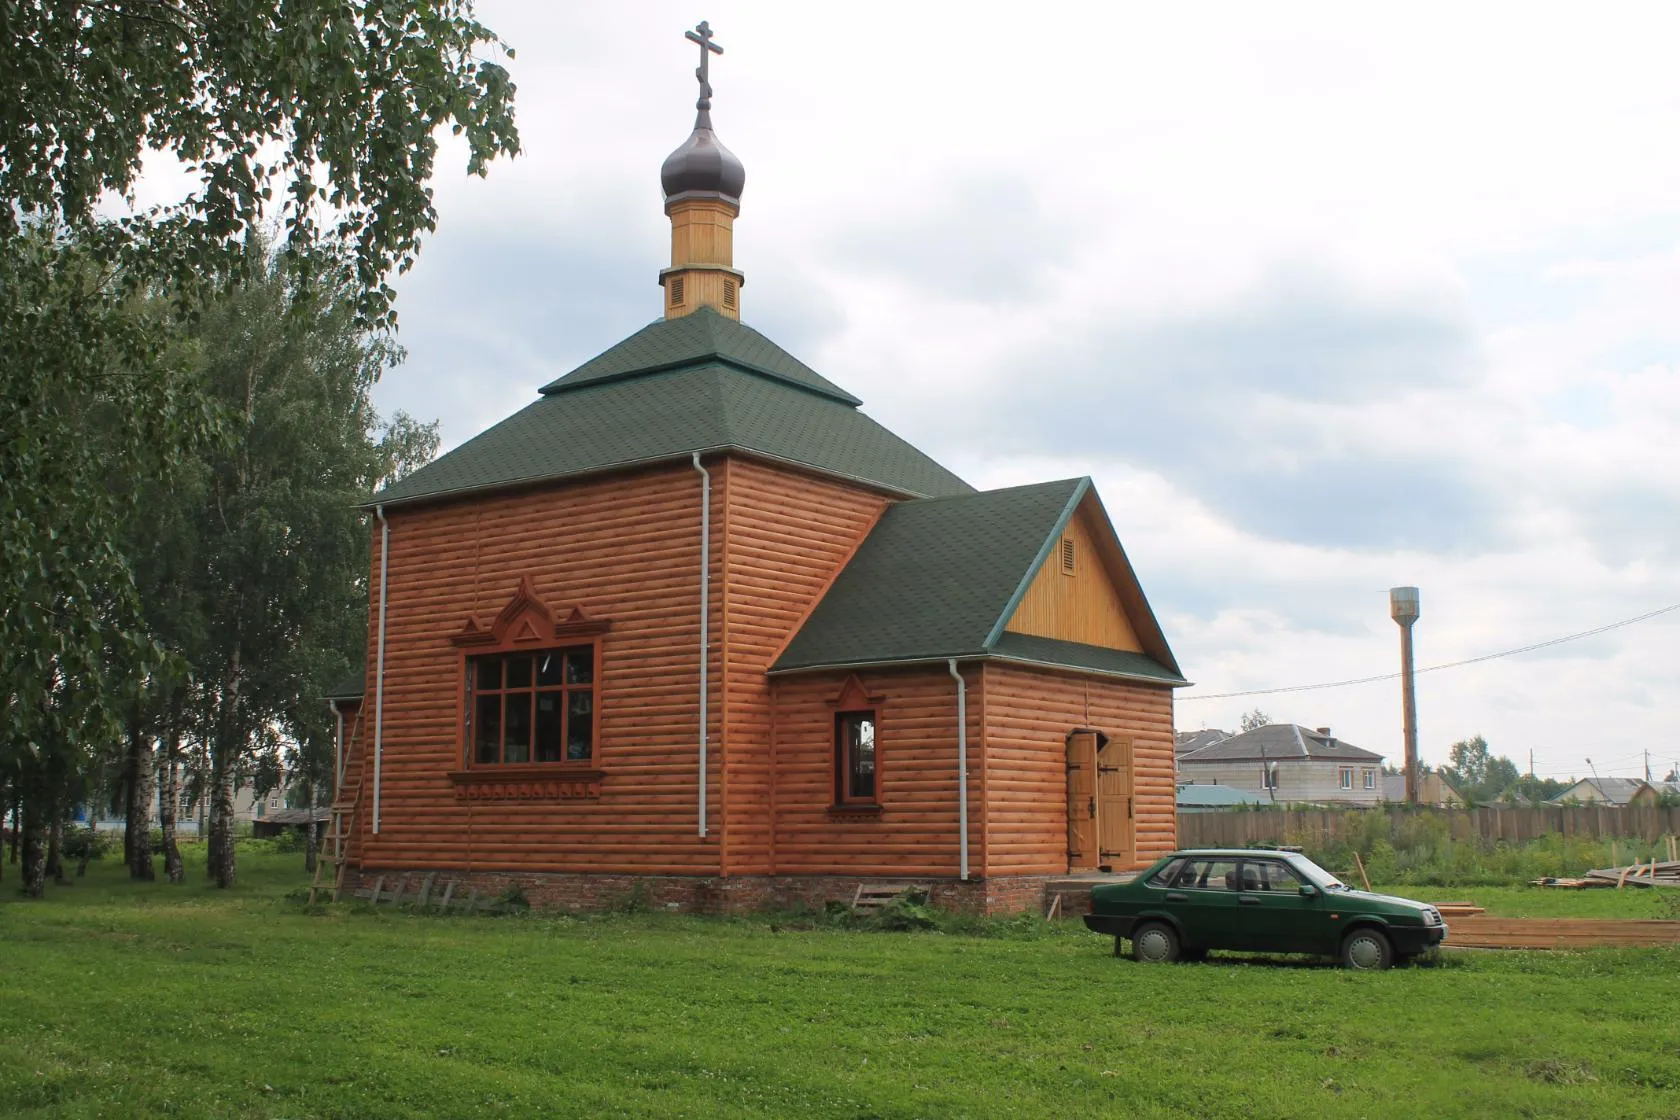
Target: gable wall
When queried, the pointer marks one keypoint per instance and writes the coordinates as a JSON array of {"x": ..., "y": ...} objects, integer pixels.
[
  {"x": 1028, "y": 714},
  {"x": 787, "y": 534},
  {"x": 625, "y": 548},
  {"x": 916, "y": 745},
  {"x": 1081, "y": 607}
]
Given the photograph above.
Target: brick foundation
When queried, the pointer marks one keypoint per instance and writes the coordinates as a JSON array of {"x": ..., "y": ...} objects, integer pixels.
[{"x": 709, "y": 895}]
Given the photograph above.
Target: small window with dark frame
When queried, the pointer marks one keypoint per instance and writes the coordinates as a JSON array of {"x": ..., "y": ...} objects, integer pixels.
[
  {"x": 1067, "y": 556},
  {"x": 857, "y": 778},
  {"x": 525, "y": 708}
]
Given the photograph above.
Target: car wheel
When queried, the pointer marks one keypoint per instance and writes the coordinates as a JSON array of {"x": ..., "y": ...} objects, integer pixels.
[
  {"x": 1154, "y": 943},
  {"x": 1367, "y": 950}
]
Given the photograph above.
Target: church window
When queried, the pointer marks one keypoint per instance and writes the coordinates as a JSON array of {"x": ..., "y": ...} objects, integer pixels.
[
  {"x": 729, "y": 294},
  {"x": 857, "y": 778},
  {"x": 676, "y": 291},
  {"x": 532, "y": 707},
  {"x": 1067, "y": 556}
]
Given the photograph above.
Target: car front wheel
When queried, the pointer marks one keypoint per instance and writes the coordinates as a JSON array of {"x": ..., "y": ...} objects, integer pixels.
[
  {"x": 1154, "y": 943},
  {"x": 1367, "y": 950}
]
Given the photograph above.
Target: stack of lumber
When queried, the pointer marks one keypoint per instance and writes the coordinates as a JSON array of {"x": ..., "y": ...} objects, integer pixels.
[
  {"x": 1451, "y": 910},
  {"x": 1557, "y": 933},
  {"x": 1653, "y": 874}
]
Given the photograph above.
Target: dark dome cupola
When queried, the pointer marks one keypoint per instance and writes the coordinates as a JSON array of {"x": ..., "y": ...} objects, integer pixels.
[{"x": 702, "y": 180}]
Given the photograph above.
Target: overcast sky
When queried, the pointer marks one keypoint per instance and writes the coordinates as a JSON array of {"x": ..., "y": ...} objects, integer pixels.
[{"x": 1326, "y": 300}]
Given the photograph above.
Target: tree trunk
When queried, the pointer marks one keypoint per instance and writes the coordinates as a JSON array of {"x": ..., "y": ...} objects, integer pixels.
[
  {"x": 55, "y": 847},
  {"x": 169, "y": 798},
  {"x": 32, "y": 827},
  {"x": 219, "y": 861},
  {"x": 142, "y": 784},
  {"x": 5, "y": 803},
  {"x": 311, "y": 839},
  {"x": 17, "y": 820}
]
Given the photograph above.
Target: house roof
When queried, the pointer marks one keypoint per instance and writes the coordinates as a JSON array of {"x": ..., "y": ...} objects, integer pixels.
[
  {"x": 1186, "y": 741},
  {"x": 1280, "y": 742},
  {"x": 698, "y": 383},
  {"x": 1213, "y": 795},
  {"x": 701, "y": 338},
  {"x": 941, "y": 577},
  {"x": 351, "y": 687},
  {"x": 1615, "y": 791}
]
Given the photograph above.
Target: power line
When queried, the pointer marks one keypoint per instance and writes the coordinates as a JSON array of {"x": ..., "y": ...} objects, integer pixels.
[{"x": 1447, "y": 665}]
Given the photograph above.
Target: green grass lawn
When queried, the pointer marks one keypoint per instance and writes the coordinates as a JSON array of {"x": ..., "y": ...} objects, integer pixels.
[{"x": 123, "y": 1000}]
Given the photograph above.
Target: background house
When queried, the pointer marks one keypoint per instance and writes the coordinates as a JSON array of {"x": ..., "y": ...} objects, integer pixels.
[
  {"x": 1432, "y": 790},
  {"x": 1609, "y": 791},
  {"x": 1210, "y": 797},
  {"x": 1284, "y": 762}
]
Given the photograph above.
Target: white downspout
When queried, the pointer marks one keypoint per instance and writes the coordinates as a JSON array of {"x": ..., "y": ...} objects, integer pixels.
[
  {"x": 962, "y": 764},
  {"x": 379, "y": 665},
  {"x": 705, "y": 620}
]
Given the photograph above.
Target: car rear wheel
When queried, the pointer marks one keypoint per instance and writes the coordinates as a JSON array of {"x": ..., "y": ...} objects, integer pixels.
[
  {"x": 1154, "y": 943},
  {"x": 1367, "y": 950}
]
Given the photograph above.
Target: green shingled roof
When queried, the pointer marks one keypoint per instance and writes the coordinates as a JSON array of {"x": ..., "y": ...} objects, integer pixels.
[
  {"x": 704, "y": 336},
  {"x": 939, "y": 578},
  {"x": 673, "y": 389},
  {"x": 349, "y": 687}
]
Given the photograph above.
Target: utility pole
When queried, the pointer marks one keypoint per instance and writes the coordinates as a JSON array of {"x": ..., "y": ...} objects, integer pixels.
[{"x": 1403, "y": 607}]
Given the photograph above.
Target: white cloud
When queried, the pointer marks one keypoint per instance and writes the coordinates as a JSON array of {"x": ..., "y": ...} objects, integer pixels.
[{"x": 1045, "y": 242}]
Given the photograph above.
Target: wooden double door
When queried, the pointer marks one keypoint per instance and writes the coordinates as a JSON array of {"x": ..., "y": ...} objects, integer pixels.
[{"x": 1099, "y": 801}]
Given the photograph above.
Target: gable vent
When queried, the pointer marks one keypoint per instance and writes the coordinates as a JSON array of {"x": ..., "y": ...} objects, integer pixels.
[
  {"x": 1067, "y": 556},
  {"x": 729, "y": 293},
  {"x": 676, "y": 291}
]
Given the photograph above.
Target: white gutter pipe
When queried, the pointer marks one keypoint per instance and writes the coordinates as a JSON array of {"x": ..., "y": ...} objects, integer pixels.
[
  {"x": 705, "y": 621},
  {"x": 379, "y": 665},
  {"x": 962, "y": 765}
]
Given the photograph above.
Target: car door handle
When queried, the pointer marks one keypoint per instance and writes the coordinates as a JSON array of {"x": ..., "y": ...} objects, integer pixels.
[
  {"x": 1248, "y": 900},
  {"x": 1177, "y": 896}
]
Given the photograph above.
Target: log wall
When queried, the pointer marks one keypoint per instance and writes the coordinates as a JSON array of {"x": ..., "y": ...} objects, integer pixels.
[
  {"x": 916, "y": 758},
  {"x": 624, "y": 549},
  {"x": 1028, "y": 715},
  {"x": 787, "y": 536}
]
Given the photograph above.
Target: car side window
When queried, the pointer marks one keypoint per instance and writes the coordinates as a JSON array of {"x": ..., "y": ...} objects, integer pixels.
[
  {"x": 1210, "y": 875},
  {"x": 1168, "y": 876},
  {"x": 1269, "y": 875}
]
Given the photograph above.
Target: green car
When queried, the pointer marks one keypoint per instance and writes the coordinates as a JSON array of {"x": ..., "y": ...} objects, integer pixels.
[{"x": 1258, "y": 900}]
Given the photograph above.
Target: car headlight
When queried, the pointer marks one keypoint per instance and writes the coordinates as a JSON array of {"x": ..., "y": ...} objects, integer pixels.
[{"x": 1431, "y": 916}]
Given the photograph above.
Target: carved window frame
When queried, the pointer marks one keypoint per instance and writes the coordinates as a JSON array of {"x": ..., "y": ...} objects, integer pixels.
[
  {"x": 525, "y": 625},
  {"x": 854, "y": 699}
]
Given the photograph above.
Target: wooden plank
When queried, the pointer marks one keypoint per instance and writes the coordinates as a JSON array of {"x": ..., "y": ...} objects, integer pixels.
[
  {"x": 1559, "y": 933},
  {"x": 448, "y": 891},
  {"x": 377, "y": 884},
  {"x": 426, "y": 888}
]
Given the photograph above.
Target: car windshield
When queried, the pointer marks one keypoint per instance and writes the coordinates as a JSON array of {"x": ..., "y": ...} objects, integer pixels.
[{"x": 1316, "y": 875}]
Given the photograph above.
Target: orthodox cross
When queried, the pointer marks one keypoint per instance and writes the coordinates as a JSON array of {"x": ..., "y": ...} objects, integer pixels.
[{"x": 703, "y": 35}]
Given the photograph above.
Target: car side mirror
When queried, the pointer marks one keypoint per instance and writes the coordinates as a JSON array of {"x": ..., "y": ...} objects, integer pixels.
[{"x": 1308, "y": 891}]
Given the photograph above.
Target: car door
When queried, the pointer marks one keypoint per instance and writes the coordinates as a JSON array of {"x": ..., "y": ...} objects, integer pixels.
[
  {"x": 1281, "y": 918},
  {"x": 1205, "y": 899}
]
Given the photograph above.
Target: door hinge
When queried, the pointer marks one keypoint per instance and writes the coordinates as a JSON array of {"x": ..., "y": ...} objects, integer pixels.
[{"x": 1093, "y": 808}]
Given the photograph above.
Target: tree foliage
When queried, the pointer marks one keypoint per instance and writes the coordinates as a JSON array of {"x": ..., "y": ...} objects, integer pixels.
[
  {"x": 1254, "y": 720},
  {"x": 331, "y": 106}
]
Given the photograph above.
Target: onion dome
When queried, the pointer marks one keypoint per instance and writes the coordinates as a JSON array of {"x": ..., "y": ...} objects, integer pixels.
[{"x": 703, "y": 164}]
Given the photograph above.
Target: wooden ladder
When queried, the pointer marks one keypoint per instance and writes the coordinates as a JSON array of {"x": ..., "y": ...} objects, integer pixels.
[{"x": 334, "y": 844}]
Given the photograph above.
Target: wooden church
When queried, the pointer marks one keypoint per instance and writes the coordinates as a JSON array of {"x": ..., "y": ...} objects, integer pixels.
[{"x": 692, "y": 624}]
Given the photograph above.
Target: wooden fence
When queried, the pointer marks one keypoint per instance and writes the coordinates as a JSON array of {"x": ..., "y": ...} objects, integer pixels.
[{"x": 1318, "y": 827}]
